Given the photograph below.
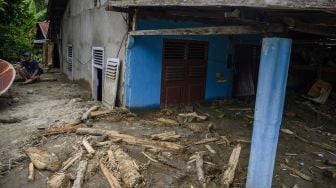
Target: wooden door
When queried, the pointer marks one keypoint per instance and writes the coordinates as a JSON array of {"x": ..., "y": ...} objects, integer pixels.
[{"x": 183, "y": 72}]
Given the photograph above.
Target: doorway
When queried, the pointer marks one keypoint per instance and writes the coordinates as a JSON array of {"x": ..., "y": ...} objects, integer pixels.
[
  {"x": 183, "y": 73},
  {"x": 246, "y": 67},
  {"x": 97, "y": 73}
]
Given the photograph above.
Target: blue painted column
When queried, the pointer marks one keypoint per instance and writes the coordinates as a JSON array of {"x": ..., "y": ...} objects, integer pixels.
[{"x": 273, "y": 71}]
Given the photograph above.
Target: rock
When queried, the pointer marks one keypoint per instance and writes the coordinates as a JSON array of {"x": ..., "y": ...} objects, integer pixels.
[
  {"x": 43, "y": 160},
  {"x": 30, "y": 91},
  {"x": 15, "y": 100},
  {"x": 59, "y": 180}
]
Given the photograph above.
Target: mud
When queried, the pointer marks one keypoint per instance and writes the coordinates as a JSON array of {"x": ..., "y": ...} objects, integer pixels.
[{"x": 54, "y": 104}]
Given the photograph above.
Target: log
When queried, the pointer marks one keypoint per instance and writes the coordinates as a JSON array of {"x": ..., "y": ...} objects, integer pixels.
[
  {"x": 86, "y": 115},
  {"x": 232, "y": 165},
  {"x": 166, "y": 136},
  {"x": 199, "y": 167},
  {"x": 321, "y": 145},
  {"x": 69, "y": 128},
  {"x": 297, "y": 172},
  {"x": 113, "y": 181},
  {"x": 149, "y": 157},
  {"x": 205, "y": 141},
  {"x": 190, "y": 117},
  {"x": 130, "y": 139},
  {"x": 70, "y": 161},
  {"x": 43, "y": 160},
  {"x": 88, "y": 147},
  {"x": 59, "y": 180},
  {"x": 128, "y": 171},
  {"x": 210, "y": 149},
  {"x": 80, "y": 175},
  {"x": 167, "y": 121},
  {"x": 31, "y": 174}
]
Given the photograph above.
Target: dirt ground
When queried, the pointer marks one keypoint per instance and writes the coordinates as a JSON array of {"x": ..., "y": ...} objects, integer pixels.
[{"x": 26, "y": 110}]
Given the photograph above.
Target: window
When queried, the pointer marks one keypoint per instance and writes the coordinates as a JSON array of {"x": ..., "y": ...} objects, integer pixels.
[
  {"x": 69, "y": 58},
  {"x": 98, "y": 57}
]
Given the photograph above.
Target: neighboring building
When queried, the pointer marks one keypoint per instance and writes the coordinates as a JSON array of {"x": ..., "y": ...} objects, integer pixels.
[
  {"x": 47, "y": 46},
  {"x": 176, "y": 53}
]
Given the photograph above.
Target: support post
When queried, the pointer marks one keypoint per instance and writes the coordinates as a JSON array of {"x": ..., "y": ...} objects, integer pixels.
[{"x": 269, "y": 106}]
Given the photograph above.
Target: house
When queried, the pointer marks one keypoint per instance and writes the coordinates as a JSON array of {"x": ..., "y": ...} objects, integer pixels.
[
  {"x": 47, "y": 46},
  {"x": 179, "y": 53}
]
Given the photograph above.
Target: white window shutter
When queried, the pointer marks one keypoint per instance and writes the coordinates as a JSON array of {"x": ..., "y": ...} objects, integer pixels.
[{"x": 111, "y": 82}]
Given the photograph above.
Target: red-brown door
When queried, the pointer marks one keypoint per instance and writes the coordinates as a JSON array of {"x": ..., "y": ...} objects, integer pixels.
[{"x": 183, "y": 73}]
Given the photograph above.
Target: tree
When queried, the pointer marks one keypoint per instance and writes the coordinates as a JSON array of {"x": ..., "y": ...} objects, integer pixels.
[{"x": 17, "y": 30}]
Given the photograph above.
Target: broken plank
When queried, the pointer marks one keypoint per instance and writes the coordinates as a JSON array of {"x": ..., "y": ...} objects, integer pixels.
[
  {"x": 131, "y": 139},
  {"x": 297, "y": 172},
  {"x": 88, "y": 147},
  {"x": 61, "y": 130},
  {"x": 128, "y": 171},
  {"x": 231, "y": 167},
  {"x": 113, "y": 181},
  {"x": 198, "y": 157},
  {"x": 80, "y": 175},
  {"x": 31, "y": 174},
  {"x": 205, "y": 141},
  {"x": 95, "y": 114},
  {"x": 211, "y": 150},
  {"x": 86, "y": 115}
]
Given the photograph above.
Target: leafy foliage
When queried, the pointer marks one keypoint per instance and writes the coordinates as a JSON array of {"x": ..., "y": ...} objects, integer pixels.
[{"x": 17, "y": 30}]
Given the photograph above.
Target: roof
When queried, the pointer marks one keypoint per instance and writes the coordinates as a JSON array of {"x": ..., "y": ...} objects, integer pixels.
[
  {"x": 287, "y": 4},
  {"x": 44, "y": 27}
]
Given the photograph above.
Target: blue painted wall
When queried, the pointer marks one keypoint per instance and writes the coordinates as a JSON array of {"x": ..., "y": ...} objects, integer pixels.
[{"x": 144, "y": 64}]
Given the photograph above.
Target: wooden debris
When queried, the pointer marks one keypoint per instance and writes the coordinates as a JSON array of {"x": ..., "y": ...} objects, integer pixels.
[
  {"x": 80, "y": 175},
  {"x": 59, "y": 180},
  {"x": 172, "y": 162},
  {"x": 205, "y": 141},
  {"x": 231, "y": 167},
  {"x": 153, "y": 123},
  {"x": 241, "y": 109},
  {"x": 210, "y": 149},
  {"x": 198, "y": 157},
  {"x": 167, "y": 121},
  {"x": 131, "y": 139},
  {"x": 86, "y": 115},
  {"x": 43, "y": 160},
  {"x": 129, "y": 173},
  {"x": 330, "y": 162},
  {"x": 199, "y": 127},
  {"x": 190, "y": 117},
  {"x": 95, "y": 114},
  {"x": 321, "y": 145},
  {"x": 70, "y": 161},
  {"x": 149, "y": 157},
  {"x": 88, "y": 147},
  {"x": 31, "y": 174},
  {"x": 69, "y": 128},
  {"x": 166, "y": 136},
  {"x": 331, "y": 173},
  {"x": 113, "y": 181},
  {"x": 326, "y": 115},
  {"x": 297, "y": 172}
]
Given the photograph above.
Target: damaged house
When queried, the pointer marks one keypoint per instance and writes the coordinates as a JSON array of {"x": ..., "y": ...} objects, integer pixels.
[{"x": 162, "y": 53}]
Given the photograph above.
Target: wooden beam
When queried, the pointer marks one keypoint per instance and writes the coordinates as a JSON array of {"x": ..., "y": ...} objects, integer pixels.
[
  {"x": 293, "y": 4},
  {"x": 299, "y": 26},
  {"x": 221, "y": 30}
]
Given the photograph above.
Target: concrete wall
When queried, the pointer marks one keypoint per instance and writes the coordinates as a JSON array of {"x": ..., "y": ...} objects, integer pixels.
[
  {"x": 144, "y": 64},
  {"x": 85, "y": 26}
]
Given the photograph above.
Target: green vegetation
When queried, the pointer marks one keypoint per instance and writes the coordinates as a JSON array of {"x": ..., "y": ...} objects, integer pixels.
[{"x": 17, "y": 29}]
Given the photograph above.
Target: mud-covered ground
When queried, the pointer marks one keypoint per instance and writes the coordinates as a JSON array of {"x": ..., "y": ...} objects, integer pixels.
[{"x": 25, "y": 110}]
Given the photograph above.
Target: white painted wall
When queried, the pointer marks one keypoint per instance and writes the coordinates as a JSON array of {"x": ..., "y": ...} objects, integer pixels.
[{"x": 84, "y": 26}]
